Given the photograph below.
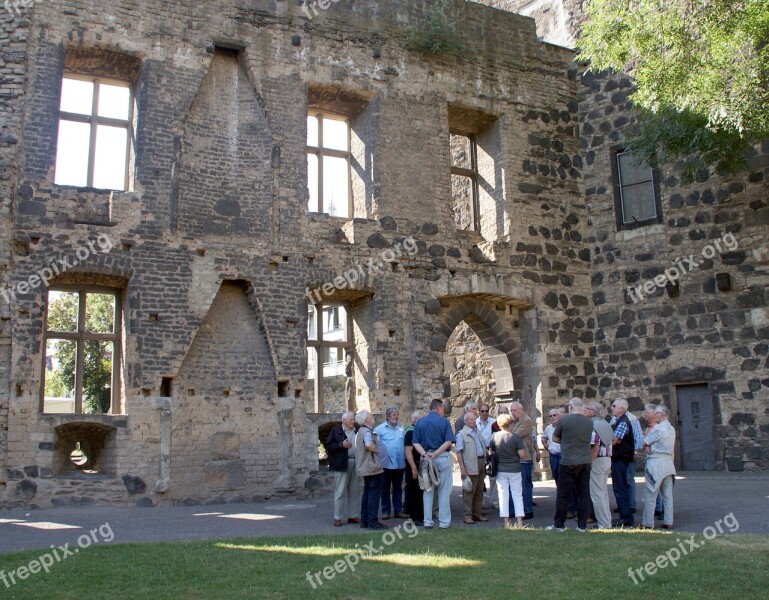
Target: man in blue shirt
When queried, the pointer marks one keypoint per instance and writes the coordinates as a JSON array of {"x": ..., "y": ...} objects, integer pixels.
[
  {"x": 391, "y": 434},
  {"x": 433, "y": 438}
]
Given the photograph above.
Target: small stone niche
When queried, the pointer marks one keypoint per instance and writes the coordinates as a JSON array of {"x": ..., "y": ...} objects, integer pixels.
[{"x": 85, "y": 448}]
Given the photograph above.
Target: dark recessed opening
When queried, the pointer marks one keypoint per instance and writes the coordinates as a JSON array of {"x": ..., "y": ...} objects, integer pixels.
[{"x": 166, "y": 386}]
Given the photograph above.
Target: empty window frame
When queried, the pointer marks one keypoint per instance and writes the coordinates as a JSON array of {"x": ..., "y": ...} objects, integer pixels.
[
  {"x": 464, "y": 182},
  {"x": 328, "y": 354},
  {"x": 81, "y": 371},
  {"x": 636, "y": 191},
  {"x": 328, "y": 164},
  {"x": 95, "y": 133}
]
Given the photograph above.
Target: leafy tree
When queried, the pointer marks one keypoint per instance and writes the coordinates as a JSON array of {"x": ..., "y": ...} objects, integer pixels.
[
  {"x": 701, "y": 71},
  {"x": 97, "y": 360}
]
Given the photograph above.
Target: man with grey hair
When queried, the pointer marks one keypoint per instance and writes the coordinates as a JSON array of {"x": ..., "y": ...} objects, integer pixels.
[
  {"x": 574, "y": 432},
  {"x": 601, "y": 444},
  {"x": 340, "y": 446},
  {"x": 623, "y": 453},
  {"x": 391, "y": 433},
  {"x": 470, "y": 408},
  {"x": 471, "y": 457},
  {"x": 660, "y": 469},
  {"x": 648, "y": 416},
  {"x": 368, "y": 457}
]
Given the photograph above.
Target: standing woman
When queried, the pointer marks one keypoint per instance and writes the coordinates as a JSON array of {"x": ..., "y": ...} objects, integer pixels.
[{"x": 510, "y": 450}]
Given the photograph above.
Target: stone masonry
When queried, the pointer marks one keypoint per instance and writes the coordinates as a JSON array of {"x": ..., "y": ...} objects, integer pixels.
[
  {"x": 213, "y": 247},
  {"x": 215, "y": 255}
]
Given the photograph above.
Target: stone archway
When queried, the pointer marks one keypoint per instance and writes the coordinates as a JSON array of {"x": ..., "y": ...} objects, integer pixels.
[{"x": 496, "y": 326}]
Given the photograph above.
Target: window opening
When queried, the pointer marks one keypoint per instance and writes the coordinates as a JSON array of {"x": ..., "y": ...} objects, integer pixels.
[
  {"x": 95, "y": 133},
  {"x": 328, "y": 164}
]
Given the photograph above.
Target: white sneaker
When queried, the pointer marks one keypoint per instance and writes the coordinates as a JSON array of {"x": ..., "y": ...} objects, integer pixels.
[{"x": 554, "y": 528}]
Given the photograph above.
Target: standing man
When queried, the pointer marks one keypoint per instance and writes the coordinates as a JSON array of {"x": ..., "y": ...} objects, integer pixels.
[
  {"x": 638, "y": 444},
  {"x": 603, "y": 438},
  {"x": 391, "y": 433},
  {"x": 623, "y": 452},
  {"x": 366, "y": 444},
  {"x": 472, "y": 408},
  {"x": 651, "y": 421},
  {"x": 524, "y": 426},
  {"x": 660, "y": 470},
  {"x": 553, "y": 448},
  {"x": 340, "y": 445},
  {"x": 471, "y": 457},
  {"x": 484, "y": 424},
  {"x": 574, "y": 432},
  {"x": 432, "y": 439},
  {"x": 413, "y": 506}
]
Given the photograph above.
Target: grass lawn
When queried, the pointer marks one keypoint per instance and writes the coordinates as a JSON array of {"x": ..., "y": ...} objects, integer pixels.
[{"x": 458, "y": 563}]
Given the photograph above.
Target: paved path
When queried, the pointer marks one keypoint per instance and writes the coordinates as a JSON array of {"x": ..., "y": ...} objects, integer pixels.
[{"x": 701, "y": 499}]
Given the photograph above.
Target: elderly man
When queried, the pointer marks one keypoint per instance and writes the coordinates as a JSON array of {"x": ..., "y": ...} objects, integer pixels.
[
  {"x": 433, "y": 439},
  {"x": 471, "y": 457},
  {"x": 602, "y": 444},
  {"x": 623, "y": 452},
  {"x": 524, "y": 426},
  {"x": 470, "y": 408},
  {"x": 648, "y": 416},
  {"x": 660, "y": 470},
  {"x": 413, "y": 503},
  {"x": 574, "y": 432},
  {"x": 367, "y": 464},
  {"x": 340, "y": 445},
  {"x": 391, "y": 433}
]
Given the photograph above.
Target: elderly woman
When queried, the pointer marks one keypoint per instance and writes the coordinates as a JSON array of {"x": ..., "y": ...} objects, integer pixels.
[{"x": 510, "y": 450}]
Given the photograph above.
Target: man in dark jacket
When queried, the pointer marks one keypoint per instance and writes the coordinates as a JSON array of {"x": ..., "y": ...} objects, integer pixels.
[
  {"x": 340, "y": 446},
  {"x": 623, "y": 453}
]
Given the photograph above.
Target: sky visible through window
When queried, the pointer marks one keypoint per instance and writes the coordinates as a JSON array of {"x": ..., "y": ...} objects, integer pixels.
[{"x": 74, "y": 142}]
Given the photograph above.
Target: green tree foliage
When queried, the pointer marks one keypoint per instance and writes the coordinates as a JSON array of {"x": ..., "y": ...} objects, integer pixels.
[
  {"x": 701, "y": 70},
  {"x": 97, "y": 359}
]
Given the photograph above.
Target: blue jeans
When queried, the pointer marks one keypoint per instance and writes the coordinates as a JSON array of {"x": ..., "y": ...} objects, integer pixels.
[
  {"x": 620, "y": 486},
  {"x": 369, "y": 501},
  {"x": 392, "y": 484},
  {"x": 631, "y": 484},
  {"x": 528, "y": 486},
  {"x": 555, "y": 460},
  {"x": 443, "y": 465}
]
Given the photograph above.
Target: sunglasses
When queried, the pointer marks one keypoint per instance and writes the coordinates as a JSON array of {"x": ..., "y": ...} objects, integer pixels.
[{"x": 484, "y": 410}]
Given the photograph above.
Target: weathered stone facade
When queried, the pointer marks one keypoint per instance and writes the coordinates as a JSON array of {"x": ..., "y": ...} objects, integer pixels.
[
  {"x": 214, "y": 247},
  {"x": 709, "y": 335}
]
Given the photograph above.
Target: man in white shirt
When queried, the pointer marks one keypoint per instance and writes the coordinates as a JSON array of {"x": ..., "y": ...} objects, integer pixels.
[{"x": 483, "y": 424}]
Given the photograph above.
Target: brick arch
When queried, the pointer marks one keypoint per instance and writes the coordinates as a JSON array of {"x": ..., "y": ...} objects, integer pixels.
[{"x": 500, "y": 346}]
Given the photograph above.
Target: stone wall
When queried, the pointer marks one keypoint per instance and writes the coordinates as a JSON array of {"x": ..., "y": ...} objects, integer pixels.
[
  {"x": 213, "y": 248},
  {"x": 648, "y": 348}
]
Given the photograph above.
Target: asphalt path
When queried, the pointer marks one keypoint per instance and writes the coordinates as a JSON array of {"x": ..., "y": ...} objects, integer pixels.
[{"x": 739, "y": 500}]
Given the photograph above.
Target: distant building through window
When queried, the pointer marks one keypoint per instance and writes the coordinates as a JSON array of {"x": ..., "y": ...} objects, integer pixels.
[{"x": 327, "y": 350}]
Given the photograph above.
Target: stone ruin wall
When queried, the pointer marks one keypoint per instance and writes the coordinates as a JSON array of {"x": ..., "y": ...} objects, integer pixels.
[{"x": 214, "y": 247}]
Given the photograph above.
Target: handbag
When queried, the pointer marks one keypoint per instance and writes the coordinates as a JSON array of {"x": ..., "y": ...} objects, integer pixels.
[{"x": 492, "y": 462}]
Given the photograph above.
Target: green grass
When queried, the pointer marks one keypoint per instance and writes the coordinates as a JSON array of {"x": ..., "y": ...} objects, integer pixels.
[{"x": 458, "y": 563}]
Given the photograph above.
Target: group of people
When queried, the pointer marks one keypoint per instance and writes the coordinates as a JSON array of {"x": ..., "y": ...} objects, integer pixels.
[{"x": 583, "y": 447}]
